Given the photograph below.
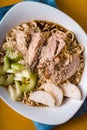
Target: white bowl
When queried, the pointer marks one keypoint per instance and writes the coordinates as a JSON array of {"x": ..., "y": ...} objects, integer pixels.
[{"x": 24, "y": 12}]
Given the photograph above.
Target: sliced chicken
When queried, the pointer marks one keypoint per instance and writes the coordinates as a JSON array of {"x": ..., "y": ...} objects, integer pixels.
[
  {"x": 43, "y": 98},
  {"x": 48, "y": 51},
  {"x": 54, "y": 90},
  {"x": 54, "y": 46},
  {"x": 70, "y": 90},
  {"x": 60, "y": 37},
  {"x": 36, "y": 43},
  {"x": 70, "y": 70},
  {"x": 17, "y": 41},
  {"x": 21, "y": 41},
  {"x": 60, "y": 47}
]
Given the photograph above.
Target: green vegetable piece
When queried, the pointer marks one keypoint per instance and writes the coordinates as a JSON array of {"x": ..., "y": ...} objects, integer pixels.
[
  {"x": 15, "y": 56},
  {"x": 12, "y": 93},
  {"x": 31, "y": 85},
  {"x": 26, "y": 73},
  {"x": 10, "y": 71},
  {"x": 2, "y": 70},
  {"x": 15, "y": 93},
  {"x": 6, "y": 63},
  {"x": 18, "y": 77},
  {"x": 6, "y": 81},
  {"x": 18, "y": 90},
  {"x": 5, "y": 67},
  {"x": 17, "y": 66}
]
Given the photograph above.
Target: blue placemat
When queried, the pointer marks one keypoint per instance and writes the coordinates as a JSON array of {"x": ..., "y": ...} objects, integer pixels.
[{"x": 83, "y": 109}]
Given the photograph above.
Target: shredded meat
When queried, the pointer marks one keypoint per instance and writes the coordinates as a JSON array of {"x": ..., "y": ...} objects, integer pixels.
[
  {"x": 21, "y": 41},
  {"x": 55, "y": 45},
  {"x": 36, "y": 42}
]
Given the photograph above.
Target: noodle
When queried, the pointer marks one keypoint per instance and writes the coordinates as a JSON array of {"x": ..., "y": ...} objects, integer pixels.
[{"x": 46, "y": 66}]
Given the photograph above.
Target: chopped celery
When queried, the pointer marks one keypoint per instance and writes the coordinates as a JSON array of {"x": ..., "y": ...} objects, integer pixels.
[
  {"x": 31, "y": 85},
  {"x": 2, "y": 72},
  {"x": 11, "y": 71},
  {"x": 10, "y": 79},
  {"x": 32, "y": 80},
  {"x": 18, "y": 90},
  {"x": 6, "y": 81},
  {"x": 6, "y": 63},
  {"x": 15, "y": 93},
  {"x": 17, "y": 66},
  {"x": 26, "y": 73},
  {"x": 5, "y": 66},
  {"x": 18, "y": 77},
  {"x": 13, "y": 55},
  {"x": 12, "y": 93}
]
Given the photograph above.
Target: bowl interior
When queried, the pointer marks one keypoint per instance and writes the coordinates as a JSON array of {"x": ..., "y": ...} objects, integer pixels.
[{"x": 24, "y": 12}]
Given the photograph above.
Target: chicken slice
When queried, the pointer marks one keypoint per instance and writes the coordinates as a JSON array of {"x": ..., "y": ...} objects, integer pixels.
[
  {"x": 36, "y": 43},
  {"x": 21, "y": 37},
  {"x": 55, "y": 44},
  {"x": 70, "y": 70},
  {"x": 43, "y": 98},
  {"x": 55, "y": 91},
  {"x": 71, "y": 90},
  {"x": 48, "y": 51}
]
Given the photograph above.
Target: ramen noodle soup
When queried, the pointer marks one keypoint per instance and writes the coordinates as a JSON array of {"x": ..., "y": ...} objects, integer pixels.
[{"x": 41, "y": 63}]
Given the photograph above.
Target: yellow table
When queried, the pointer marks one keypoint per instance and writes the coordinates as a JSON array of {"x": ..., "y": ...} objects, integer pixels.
[{"x": 9, "y": 119}]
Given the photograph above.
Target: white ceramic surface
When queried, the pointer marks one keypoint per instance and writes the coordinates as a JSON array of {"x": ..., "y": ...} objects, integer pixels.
[{"x": 24, "y": 12}]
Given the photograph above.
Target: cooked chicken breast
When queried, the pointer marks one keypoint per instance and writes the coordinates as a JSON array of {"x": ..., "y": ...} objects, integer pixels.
[
  {"x": 54, "y": 46},
  {"x": 70, "y": 69},
  {"x": 36, "y": 42}
]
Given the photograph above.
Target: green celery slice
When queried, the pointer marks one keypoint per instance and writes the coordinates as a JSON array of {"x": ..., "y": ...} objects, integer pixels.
[
  {"x": 10, "y": 71},
  {"x": 2, "y": 72},
  {"x": 18, "y": 76},
  {"x": 5, "y": 67},
  {"x": 32, "y": 84},
  {"x": 15, "y": 93},
  {"x": 6, "y": 81},
  {"x": 17, "y": 66},
  {"x": 26, "y": 73},
  {"x": 18, "y": 90},
  {"x": 12, "y": 93},
  {"x": 6, "y": 63}
]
